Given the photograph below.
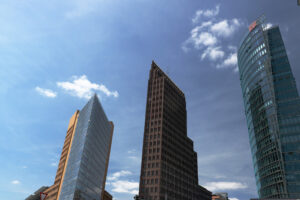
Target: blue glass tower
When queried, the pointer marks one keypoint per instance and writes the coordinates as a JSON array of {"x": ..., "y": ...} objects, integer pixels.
[
  {"x": 88, "y": 160},
  {"x": 272, "y": 108}
]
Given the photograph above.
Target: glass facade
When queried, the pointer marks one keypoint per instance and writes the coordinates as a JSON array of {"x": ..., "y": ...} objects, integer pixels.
[
  {"x": 86, "y": 169},
  {"x": 272, "y": 108}
]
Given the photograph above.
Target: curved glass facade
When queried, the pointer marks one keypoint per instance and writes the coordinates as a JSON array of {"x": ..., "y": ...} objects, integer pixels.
[{"x": 272, "y": 109}]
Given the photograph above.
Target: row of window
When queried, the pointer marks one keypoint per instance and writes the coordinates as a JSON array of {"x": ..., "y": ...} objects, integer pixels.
[
  {"x": 154, "y": 143},
  {"x": 273, "y": 188},
  {"x": 290, "y": 147},
  {"x": 150, "y": 173},
  {"x": 152, "y": 157},
  {"x": 287, "y": 121},
  {"x": 150, "y": 181},
  {"x": 154, "y": 150},
  {"x": 251, "y": 37},
  {"x": 246, "y": 60},
  {"x": 270, "y": 169},
  {"x": 254, "y": 52},
  {"x": 292, "y": 156},
  {"x": 155, "y": 123},
  {"x": 262, "y": 153},
  {"x": 152, "y": 136},
  {"x": 154, "y": 98},
  {"x": 250, "y": 78},
  {"x": 249, "y": 67},
  {"x": 151, "y": 165}
]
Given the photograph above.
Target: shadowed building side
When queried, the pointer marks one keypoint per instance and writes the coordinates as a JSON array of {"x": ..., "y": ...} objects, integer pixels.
[
  {"x": 105, "y": 194},
  {"x": 169, "y": 167}
]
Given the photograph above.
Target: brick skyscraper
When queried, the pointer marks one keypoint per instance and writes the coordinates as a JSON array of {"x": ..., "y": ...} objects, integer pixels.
[{"x": 169, "y": 163}]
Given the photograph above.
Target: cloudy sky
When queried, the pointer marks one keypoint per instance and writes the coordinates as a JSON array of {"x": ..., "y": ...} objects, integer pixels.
[{"x": 55, "y": 54}]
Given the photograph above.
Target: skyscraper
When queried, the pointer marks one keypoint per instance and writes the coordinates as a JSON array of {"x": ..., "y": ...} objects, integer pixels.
[
  {"x": 87, "y": 163},
  {"x": 272, "y": 108},
  {"x": 169, "y": 163}
]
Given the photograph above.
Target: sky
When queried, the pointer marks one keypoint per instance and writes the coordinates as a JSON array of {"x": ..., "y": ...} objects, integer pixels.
[{"x": 56, "y": 54}]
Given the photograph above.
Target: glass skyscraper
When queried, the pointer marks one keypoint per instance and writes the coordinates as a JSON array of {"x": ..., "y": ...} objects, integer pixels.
[
  {"x": 272, "y": 108},
  {"x": 88, "y": 159}
]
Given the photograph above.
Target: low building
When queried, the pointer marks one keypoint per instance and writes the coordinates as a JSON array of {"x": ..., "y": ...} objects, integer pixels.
[
  {"x": 274, "y": 199},
  {"x": 106, "y": 196},
  {"x": 36, "y": 194},
  {"x": 220, "y": 196}
]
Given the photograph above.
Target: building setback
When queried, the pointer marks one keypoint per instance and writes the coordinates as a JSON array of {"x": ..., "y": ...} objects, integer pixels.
[
  {"x": 272, "y": 108},
  {"x": 169, "y": 163}
]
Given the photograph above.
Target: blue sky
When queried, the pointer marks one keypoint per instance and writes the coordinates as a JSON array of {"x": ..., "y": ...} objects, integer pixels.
[{"x": 55, "y": 54}]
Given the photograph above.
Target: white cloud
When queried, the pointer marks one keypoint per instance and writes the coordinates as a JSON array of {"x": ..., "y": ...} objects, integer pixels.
[
  {"x": 205, "y": 24},
  {"x": 268, "y": 25},
  {"x": 15, "y": 182},
  {"x": 213, "y": 53},
  {"x": 233, "y": 198},
  {"x": 225, "y": 28},
  {"x": 206, "y": 13},
  {"x": 125, "y": 187},
  {"x": 46, "y": 92},
  {"x": 232, "y": 48},
  {"x": 218, "y": 186},
  {"x": 117, "y": 175},
  {"x": 122, "y": 186},
  {"x": 208, "y": 38},
  {"x": 134, "y": 158},
  {"x": 83, "y": 88},
  {"x": 230, "y": 61},
  {"x": 131, "y": 151},
  {"x": 200, "y": 39},
  {"x": 54, "y": 164}
]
